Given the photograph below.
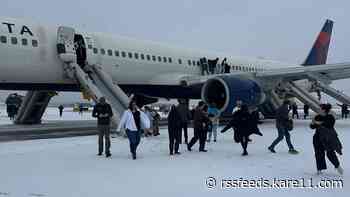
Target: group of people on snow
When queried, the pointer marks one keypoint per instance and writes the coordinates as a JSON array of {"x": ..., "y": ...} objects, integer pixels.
[{"x": 244, "y": 122}]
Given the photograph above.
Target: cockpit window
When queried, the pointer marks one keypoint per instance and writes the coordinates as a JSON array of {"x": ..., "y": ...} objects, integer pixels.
[{"x": 3, "y": 39}]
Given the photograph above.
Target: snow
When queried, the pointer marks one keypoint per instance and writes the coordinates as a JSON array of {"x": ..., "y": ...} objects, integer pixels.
[{"x": 70, "y": 166}]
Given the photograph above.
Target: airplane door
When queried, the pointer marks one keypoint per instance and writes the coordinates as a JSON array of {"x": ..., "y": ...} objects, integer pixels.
[{"x": 65, "y": 44}]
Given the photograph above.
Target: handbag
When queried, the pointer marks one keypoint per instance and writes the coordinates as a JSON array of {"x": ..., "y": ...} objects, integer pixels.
[{"x": 289, "y": 124}]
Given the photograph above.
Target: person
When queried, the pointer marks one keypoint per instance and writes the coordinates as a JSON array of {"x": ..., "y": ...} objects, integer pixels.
[
  {"x": 60, "y": 109},
  {"x": 223, "y": 65},
  {"x": 238, "y": 106},
  {"x": 81, "y": 53},
  {"x": 185, "y": 116},
  {"x": 133, "y": 120},
  {"x": 103, "y": 112},
  {"x": 214, "y": 115},
  {"x": 295, "y": 110},
  {"x": 204, "y": 66},
  {"x": 212, "y": 65},
  {"x": 200, "y": 121},
  {"x": 174, "y": 130},
  {"x": 244, "y": 124},
  {"x": 344, "y": 110},
  {"x": 81, "y": 109},
  {"x": 149, "y": 114},
  {"x": 326, "y": 140},
  {"x": 306, "y": 110},
  {"x": 156, "y": 119},
  {"x": 282, "y": 121}
]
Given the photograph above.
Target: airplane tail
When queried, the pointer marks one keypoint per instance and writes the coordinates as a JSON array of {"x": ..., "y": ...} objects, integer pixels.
[{"x": 319, "y": 51}]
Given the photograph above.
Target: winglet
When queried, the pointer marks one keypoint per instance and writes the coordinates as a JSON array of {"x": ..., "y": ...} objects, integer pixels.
[{"x": 319, "y": 51}]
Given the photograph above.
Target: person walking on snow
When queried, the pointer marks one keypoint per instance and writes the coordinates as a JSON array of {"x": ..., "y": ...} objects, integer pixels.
[
  {"x": 325, "y": 140},
  {"x": 174, "y": 130},
  {"x": 282, "y": 125},
  {"x": 103, "y": 112},
  {"x": 133, "y": 120}
]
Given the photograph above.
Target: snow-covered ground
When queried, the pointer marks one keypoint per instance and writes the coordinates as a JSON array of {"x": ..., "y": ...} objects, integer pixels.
[{"x": 70, "y": 167}]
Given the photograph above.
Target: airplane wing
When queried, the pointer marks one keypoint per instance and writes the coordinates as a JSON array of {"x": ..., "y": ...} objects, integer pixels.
[{"x": 327, "y": 72}]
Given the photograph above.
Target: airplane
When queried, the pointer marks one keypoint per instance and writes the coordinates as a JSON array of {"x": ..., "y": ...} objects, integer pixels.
[{"x": 41, "y": 59}]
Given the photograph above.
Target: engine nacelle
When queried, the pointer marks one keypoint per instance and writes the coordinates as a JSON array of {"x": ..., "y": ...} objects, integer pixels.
[{"x": 224, "y": 91}]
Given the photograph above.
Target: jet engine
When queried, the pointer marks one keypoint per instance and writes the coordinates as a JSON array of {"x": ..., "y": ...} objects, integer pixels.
[{"x": 224, "y": 91}]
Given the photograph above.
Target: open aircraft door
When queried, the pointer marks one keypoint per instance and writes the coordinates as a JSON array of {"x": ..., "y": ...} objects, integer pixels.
[{"x": 65, "y": 44}]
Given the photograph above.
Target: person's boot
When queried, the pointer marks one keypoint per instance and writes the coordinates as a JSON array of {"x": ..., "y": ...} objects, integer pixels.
[
  {"x": 189, "y": 148},
  {"x": 245, "y": 153},
  {"x": 271, "y": 149},
  {"x": 99, "y": 154},
  {"x": 108, "y": 154},
  {"x": 203, "y": 150},
  {"x": 340, "y": 170},
  {"x": 177, "y": 153},
  {"x": 293, "y": 151},
  {"x": 133, "y": 156}
]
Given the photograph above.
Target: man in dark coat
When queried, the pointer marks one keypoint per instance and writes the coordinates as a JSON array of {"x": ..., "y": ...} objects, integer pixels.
[
  {"x": 282, "y": 119},
  {"x": 60, "y": 109},
  {"x": 200, "y": 120},
  {"x": 344, "y": 110},
  {"x": 103, "y": 112},
  {"x": 174, "y": 129},
  {"x": 244, "y": 124},
  {"x": 306, "y": 111},
  {"x": 325, "y": 140},
  {"x": 185, "y": 116}
]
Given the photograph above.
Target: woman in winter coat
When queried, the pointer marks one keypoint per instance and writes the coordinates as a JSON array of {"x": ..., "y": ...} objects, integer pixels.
[
  {"x": 133, "y": 120},
  {"x": 174, "y": 129},
  {"x": 325, "y": 140},
  {"x": 244, "y": 125}
]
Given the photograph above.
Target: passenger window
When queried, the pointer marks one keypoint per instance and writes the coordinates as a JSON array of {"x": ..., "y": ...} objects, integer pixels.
[
  {"x": 198, "y": 64},
  {"x": 89, "y": 46},
  {"x": 170, "y": 60},
  {"x": 193, "y": 63},
  {"x": 153, "y": 57},
  {"x": 189, "y": 62},
  {"x": 142, "y": 56},
  {"x": 136, "y": 55},
  {"x": 110, "y": 52},
  {"x": 123, "y": 54},
  {"x": 34, "y": 43},
  {"x": 95, "y": 50},
  {"x": 24, "y": 42},
  {"x": 159, "y": 59},
  {"x": 130, "y": 55},
  {"x": 103, "y": 51},
  {"x": 148, "y": 57},
  {"x": 116, "y": 53},
  {"x": 180, "y": 61},
  {"x": 3, "y": 39},
  {"x": 164, "y": 59},
  {"x": 14, "y": 40}
]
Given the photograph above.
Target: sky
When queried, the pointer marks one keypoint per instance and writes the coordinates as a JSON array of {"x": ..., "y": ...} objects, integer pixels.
[{"x": 273, "y": 29}]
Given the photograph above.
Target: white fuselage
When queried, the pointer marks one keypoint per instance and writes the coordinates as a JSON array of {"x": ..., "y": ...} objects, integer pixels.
[{"x": 27, "y": 64}]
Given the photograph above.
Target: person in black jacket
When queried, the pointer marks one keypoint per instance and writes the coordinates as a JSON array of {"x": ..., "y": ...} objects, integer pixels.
[
  {"x": 174, "y": 129},
  {"x": 103, "y": 112},
  {"x": 200, "y": 121},
  {"x": 282, "y": 119},
  {"x": 245, "y": 125},
  {"x": 326, "y": 140}
]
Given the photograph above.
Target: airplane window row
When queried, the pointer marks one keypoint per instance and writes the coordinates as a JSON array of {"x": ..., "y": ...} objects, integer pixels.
[
  {"x": 140, "y": 56},
  {"x": 15, "y": 41},
  {"x": 155, "y": 58}
]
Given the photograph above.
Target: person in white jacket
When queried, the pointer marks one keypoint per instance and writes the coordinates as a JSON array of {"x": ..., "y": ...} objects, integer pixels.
[{"x": 133, "y": 120}]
